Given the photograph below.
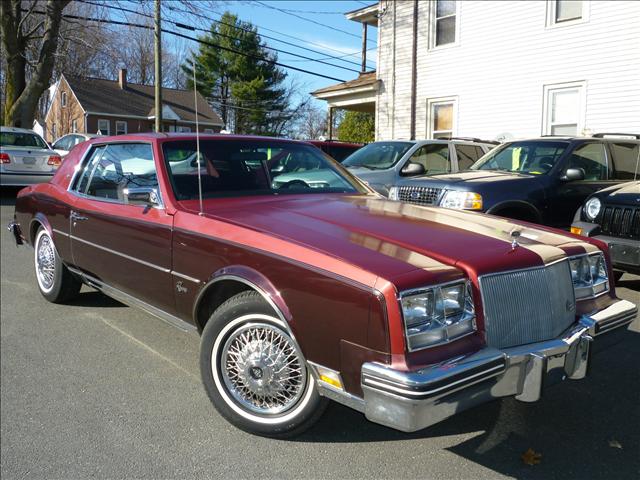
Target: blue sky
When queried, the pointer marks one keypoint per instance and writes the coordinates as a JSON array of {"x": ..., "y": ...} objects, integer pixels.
[{"x": 278, "y": 24}]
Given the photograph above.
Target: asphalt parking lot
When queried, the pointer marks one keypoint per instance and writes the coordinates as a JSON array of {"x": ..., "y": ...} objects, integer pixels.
[{"x": 98, "y": 389}]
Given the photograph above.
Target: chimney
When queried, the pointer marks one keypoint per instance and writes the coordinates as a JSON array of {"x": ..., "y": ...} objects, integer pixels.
[{"x": 122, "y": 78}]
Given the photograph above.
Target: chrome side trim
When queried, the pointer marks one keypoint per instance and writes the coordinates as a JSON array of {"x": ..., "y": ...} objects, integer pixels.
[
  {"x": 134, "y": 302},
  {"x": 341, "y": 396},
  {"x": 60, "y": 232},
  {"x": 120, "y": 254},
  {"x": 185, "y": 277}
]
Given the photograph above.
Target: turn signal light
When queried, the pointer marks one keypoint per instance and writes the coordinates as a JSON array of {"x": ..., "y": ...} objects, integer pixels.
[
  {"x": 576, "y": 230},
  {"x": 54, "y": 160},
  {"x": 4, "y": 158}
]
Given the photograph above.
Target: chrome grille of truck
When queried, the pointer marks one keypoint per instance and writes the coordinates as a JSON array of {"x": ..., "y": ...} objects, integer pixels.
[
  {"x": 527, "y": 306},
  {"x": 419, "y": 195}
]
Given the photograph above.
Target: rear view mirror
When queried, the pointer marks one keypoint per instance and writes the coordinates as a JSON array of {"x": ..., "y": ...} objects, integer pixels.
[
  {"x": 573, "y": 174},
  {"x": 412, "y": 169},
  {"x": 142, "y": 196}
]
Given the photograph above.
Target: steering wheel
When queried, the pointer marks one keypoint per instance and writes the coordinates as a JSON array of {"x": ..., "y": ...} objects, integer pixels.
[{"x": 295, "y": 183}]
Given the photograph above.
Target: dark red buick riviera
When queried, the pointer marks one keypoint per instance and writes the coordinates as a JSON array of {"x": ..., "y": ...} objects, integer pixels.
[{"x": 317, "y": 288}]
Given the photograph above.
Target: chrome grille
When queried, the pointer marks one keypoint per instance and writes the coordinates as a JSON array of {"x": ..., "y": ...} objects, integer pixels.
[
  {"x": 419, "y": 195},
  {"x": 621, "y": 222},
  {"x": 527, "y": 306}
]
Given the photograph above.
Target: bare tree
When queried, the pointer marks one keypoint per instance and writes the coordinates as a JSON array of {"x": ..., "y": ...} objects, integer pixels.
[
  {"x": 312, "y": 123},
  {"x": 19, "y": 30}
]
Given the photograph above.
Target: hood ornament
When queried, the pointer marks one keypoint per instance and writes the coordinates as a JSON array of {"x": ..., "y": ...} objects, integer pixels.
[{"x": 514, "y": 239}]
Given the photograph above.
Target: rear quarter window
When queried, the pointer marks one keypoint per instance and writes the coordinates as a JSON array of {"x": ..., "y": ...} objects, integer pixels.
[{"x": 626, "y": 160}]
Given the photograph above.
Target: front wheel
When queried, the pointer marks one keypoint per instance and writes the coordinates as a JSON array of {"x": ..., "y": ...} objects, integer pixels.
[
  {"x": 55, "y": 282},
  {"x": 254, "y": 372}
]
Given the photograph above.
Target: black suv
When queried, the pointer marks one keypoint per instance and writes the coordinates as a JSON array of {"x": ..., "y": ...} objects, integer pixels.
[
  {"x": 543, "y": 180},
  {"x": 613, "y": 216}
]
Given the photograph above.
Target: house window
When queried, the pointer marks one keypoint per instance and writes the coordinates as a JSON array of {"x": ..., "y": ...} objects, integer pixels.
[
  {"x": 121, "y": 127},
  {"x": 103, "y": 127},
  {"x": 63, "y": 99},
  {"x": 445, "y": 23},
  {"x": 184, "y": 129},
  {"x": 566, "y": 11},
  {"x": 208, "y": 130},
  {"x": 74, "y": 126},
  {"x": 564, "y": 109},
  {"x": 442, "y": 116}
]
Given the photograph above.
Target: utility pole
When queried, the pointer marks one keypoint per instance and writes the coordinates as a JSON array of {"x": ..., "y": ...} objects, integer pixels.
[{"x": 158, "y": 70}]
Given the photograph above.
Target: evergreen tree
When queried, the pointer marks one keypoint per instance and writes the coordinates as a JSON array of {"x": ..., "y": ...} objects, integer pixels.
[
  {"x": 234, "y": 71},
  {"x": 357, "y": 127}
]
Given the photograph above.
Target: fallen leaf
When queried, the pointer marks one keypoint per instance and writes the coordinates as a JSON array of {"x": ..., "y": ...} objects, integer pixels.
[
  {"x": 531, "y": 457},
  {"x": 613, "y": 443}
]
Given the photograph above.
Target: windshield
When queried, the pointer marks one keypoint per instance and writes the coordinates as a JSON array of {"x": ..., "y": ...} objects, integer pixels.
[
  {"x": 378, "y": 155},
  {"x": 532, "y": 157},
  {"x": 21, "y": 139},
  {"x": 248, "y": 167}
]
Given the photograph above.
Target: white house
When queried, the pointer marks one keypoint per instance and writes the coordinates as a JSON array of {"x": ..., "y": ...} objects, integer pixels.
[{"x": 502, "y": 69}]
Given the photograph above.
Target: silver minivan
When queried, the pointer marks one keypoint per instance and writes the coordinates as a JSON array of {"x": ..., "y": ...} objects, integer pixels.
[
  {"x": 383, "y": 164},
  {"x": 25, "y": 158}
]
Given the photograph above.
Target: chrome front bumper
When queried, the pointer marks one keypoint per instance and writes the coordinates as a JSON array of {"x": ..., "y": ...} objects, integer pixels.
[{"x": 410, "y": 401}]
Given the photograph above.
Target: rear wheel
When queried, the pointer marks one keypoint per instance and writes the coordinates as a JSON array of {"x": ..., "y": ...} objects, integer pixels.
[
  {"x": 254, "y": 372},
  {"x": 55, "y": 282}
]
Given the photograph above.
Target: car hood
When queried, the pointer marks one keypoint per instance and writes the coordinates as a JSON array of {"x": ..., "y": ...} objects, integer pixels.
[
  {"x": 365, "y": 174},
  {"x": 624, "y": 194},
  {"x": 390, "y": 239},
  {"x": 470, "y": 177}
]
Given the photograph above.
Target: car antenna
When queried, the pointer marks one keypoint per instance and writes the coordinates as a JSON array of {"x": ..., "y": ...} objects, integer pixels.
[{"x": 195, "y": 102}]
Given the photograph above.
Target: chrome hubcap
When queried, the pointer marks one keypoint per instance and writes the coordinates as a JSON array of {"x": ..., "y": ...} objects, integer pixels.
[
  {"x": 45, "y": 262},
  {"x": 262, "y": 369}
]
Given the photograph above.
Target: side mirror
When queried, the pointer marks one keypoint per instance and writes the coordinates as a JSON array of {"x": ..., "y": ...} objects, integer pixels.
[
  {"x": 412, "y": 169},
  {"x": 142, "y": 196},
  {"x": 573, "y": 174}
]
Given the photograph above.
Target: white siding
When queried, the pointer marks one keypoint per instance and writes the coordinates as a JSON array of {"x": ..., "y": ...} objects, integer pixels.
[{"x": 505, "y": 56}]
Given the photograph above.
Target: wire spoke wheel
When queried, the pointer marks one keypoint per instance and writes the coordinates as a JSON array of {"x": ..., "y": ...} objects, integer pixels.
[
  {"x": 45, "y": 262},
  {"x": 263, "y": 369}
]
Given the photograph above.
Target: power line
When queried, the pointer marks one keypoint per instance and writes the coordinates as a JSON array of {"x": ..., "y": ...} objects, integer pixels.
[
  {"x": 309, "y": 20},
  {"x": 187, "y": 37},
  {"x": 204, "y": 17},
  {"x": 189, "y": 27}
]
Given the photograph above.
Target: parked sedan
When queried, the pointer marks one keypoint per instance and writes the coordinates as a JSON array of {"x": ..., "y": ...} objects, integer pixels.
[
  {"x": 383, "y": 164},
  {"x": 64, "y": 144},
  {"x": 409, "y": 314},
  {"x": 25, "y": 158},
  {"x": 613, "y": 216}
]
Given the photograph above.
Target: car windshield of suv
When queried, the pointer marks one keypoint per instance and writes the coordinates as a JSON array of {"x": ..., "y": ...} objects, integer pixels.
[
  {"x": 378, "y": 155},
  {"x": 21, "y": 139},
  {"x": 248, "y": 167},
  {"x": 532, "y": 157}
]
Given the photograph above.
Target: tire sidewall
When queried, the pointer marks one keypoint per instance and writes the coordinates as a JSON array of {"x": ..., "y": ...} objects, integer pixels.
[{"x": 228, "y": 318}]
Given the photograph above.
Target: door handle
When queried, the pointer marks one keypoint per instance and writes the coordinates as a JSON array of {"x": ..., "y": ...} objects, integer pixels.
[{"x": 76, "y": 217}]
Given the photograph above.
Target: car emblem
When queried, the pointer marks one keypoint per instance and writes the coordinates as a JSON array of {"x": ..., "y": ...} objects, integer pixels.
[
  {"x": 415, "y": 195},
  {"x": 514, "y": 242},
  {"x": 570, "y": 306}
]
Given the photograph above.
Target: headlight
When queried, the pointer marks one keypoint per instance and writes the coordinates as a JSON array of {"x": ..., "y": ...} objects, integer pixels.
[
  {"x": 589, "y": 275},
  {"x": 462, "y": 200},
  {"x": 592, "y": 208},
  {"x": 394, "y": 193},
  {"x": 438, "y": 315}
]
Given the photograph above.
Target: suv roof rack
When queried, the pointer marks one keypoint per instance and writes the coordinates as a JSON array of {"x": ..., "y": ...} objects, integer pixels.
[
  {"x": 606, "y": 134},
  {"x": 474, "y": 139}
]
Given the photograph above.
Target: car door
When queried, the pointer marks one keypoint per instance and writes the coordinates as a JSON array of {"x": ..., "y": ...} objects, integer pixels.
[
  {"x": 124, "y": 245},
  {"x": 593, "y": 159}
]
